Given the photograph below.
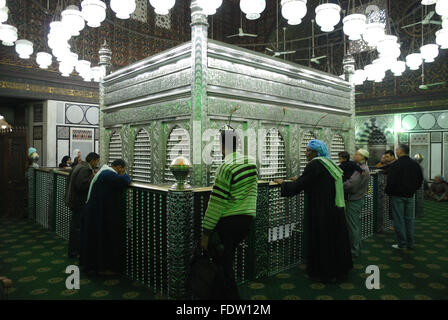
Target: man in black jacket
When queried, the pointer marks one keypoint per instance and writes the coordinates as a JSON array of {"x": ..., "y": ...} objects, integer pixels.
[
  {"x": 76, "y": 197},
  {"x": 403, "y": 179}
]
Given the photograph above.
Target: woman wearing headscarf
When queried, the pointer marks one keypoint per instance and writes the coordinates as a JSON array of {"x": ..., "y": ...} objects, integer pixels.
[
  {"x": 65, "y": 162},
  {"x": 76, "y": 157},
  {"x": 328, "y": 255}
]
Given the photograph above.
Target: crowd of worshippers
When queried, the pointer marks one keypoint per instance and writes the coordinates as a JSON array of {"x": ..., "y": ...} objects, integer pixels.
[{"x": 94, "y": 198}]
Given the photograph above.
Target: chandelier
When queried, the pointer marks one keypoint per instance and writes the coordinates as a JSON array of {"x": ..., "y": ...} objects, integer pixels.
[
  {"x": 73, "y": 20},
  {"x": 210, "y": 6},
  {"x": 359, "y": 77},
  {"x": 441, "y": 38},
  {"x": 398, "y": 68},
  {"x": 82, "y": 67},
  {"x": 442, "y": 8},
  {"x": 354, "y": 26},
  {"x": 44, "y": 59},
  {"x": 389, "y": 47},
  {"x": 94, "y": 12},
  {"x": 428, "y": 2},
  {"x": 252, "y": 8},
  {"x": 293, "y": 11},
  {"x": 8, "y": 34},
  {"x": 162, "y": 7},
  {"x": 4, "y": 14},
  {"x": 373, "y": 33},
  {"x": 123, "y": 8},
  {"x": 2, "y": 4},
  {"x": 429, "y": 52},
  {"x": 327, "y": 16},
  {"x": 24, "y": 48},
  {"x": 414, "y": 61}
]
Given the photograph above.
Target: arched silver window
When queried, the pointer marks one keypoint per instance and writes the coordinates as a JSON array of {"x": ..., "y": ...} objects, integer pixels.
[{"x": 141, "y": 168}]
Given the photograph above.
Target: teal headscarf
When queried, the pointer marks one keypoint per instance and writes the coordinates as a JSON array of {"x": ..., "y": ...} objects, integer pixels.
[
  {"x": 31, "y": 150},
  {"x": 319, "y": 147}
]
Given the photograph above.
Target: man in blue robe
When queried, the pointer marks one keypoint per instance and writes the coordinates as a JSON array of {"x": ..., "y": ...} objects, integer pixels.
[{"x": 102, "y": 230}]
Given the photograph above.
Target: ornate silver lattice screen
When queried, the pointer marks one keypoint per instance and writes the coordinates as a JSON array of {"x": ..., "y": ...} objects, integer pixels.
[
  {"x": 306, "y": 138},
  {"x": 178, "y": 144},
  {"x": 115, "y": 148},
  {"x": 273, "y": 157},
  {"x": 141, "y": 168},
  {"x": 337, "y": 145}
]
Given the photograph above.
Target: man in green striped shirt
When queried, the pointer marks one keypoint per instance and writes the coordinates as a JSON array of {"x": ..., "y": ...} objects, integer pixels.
[{"x": 231, "y": 207}]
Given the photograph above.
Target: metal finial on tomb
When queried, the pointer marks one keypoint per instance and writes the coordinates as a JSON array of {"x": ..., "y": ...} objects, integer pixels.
[
  {"x": 349, "y": 66},
  {"x": 105, "y": 54}
]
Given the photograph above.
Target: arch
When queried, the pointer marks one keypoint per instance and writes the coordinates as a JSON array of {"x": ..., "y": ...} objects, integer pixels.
[
  {"x": 178, "y": 144},
  {"x": 115, "y": 147},
  {"x": 337, "y": 145},
  {"x": 307, "y": 137},
  {"x": 142, "y": 163},
  {"x": 273, "y": 163}
]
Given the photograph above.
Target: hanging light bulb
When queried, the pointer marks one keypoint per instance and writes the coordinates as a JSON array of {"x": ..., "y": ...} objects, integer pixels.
[
  {"x": 428, "y": 2},
  {"x": 293, "y": 11},
  {"x": 44, "y": 59},
  {"x": 123, "y": 8},
  {"x": 442, "y": 8},
  {"x": 252, "y": 8},
  {"x": 327, "y": 16},
  {"x": 359, "y": 77},
  {"x": 414, "y": 61},
  {"x": 4, "y": 14},
  {"x": 429, "y": 52},
  {"x": 73, "y": 20},
  {"x": 354, "y": 26},
  {"x": 24, "y": 48},
  {"x": 8, "y": 34},
  {"x": 398, "y": 68},
  {"x": 209, "y": 6},
  {"x": 162, "y": 7},
  {"x": 94, "y": 12},
  {"x": 441, "y": 38},
  {"x": 373, "y": 33}
]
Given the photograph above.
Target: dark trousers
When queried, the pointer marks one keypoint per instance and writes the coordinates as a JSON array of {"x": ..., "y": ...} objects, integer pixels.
[
  {"x": 231, "y": 230},
  {"x": 74, "y": 241}
]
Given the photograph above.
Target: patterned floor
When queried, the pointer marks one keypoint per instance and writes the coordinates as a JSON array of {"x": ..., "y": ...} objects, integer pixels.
[{"x": 35, "y": 259}]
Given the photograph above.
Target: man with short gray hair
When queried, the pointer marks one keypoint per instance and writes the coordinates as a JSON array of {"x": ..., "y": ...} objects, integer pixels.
[{"x": 356, "y": 187}]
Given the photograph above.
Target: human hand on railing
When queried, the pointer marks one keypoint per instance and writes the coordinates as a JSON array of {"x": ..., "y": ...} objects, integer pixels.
[
  {"x": 278, "y": 181},
  {"x": 204, "y": 242}
]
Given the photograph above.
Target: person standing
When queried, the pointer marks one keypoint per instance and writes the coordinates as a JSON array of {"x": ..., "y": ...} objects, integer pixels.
[
  {"x": 328, "y": 245},
  {"x": 404, "y": 177},
  {"x": 78, "y": 186},
  {"x": 230, "y": 210},
  {"x": 76, "y": 157},
  {"x": 356, "y": 188},
  {"x": 102, "y": 230}
]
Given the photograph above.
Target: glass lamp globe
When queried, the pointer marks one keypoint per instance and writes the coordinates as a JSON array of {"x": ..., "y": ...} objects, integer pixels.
[
  {"x": 252, "y": 8},
  {"x": 387, "y": 45},
  {"x": 293, "y": 11},
  {"x": 59, "y": 32},
  {"x": 2, "y": 3},
  {"x": 4, "y": 14},
  {"x": 210, "y": 6},
  {"x": 44, "y": 59},
  {"x": 414, "y": 61},
  {"x": 65, "y": 68},
  {"x": 327, "y": 16},
  {"x": 398, "y": 68},
  {"x": 82, "y": 67},
  {"x": 370, "y": 72},
  {"x": 87, "y": 76},
  {"x": 373, "y": 33},
  {"x": 70, "y": 58},
  {"x": 8, "y": 34},
  {"x": 162, "y": 7},
  {"x": 24, "y": 48},
  {"x": 387, "y": 62},
  {"x": 94, "y": 12},
  {"x": 442, "y": 8},
  {"x": 428, "y": 2},
  {"x": 123, "y": 8},
  {"x": 73, "y": 20},
  {"x": 359, "y": 77},
  {"x": 429, "y": 52},
  {"x": 61, "y": 51},
  {"x": 445, "y": 22},
  {"x": 354, "y": 26},
  {"x": 442, "y": 38},
  {"x": 97, "y": 74}
]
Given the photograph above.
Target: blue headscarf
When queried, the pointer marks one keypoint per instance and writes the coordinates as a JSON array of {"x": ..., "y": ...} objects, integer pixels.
[
  {"x": 31, "y": 150},
  {"x": 318, "y": 146}
]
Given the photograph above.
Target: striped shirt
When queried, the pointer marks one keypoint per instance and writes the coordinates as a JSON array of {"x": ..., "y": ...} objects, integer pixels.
[{"x": 234, "y": 192}]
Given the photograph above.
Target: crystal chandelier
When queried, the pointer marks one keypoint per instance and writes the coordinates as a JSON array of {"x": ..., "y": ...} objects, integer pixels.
[
  {"x": 4, "y": 14},
  {"x": 354, "y": 26},
  {"x": 442, "y": 8},
  {"x": 94, "y": 12},
  {"x": 429, "y": 52},
  {"x": 162, "y": 7},
  {"x": 123, "y": 8},
  {"x": 441, "y": 38},
  {"x": 293, "y": 11},
  {"x": 373, "y": 33},
  {"x": 327, "y": 16},
  {"x": 24, "y": 48},
  {"x": 398, "y": 68},
  {"x": 252, "y": 8},
  {"x": 414, "y": 61},
  {"x": 210, "y": 6},
  {"x": 73, "y": 20},
  {"x": 8, "y": 34},
  {"x": 44, "y": 59}
]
